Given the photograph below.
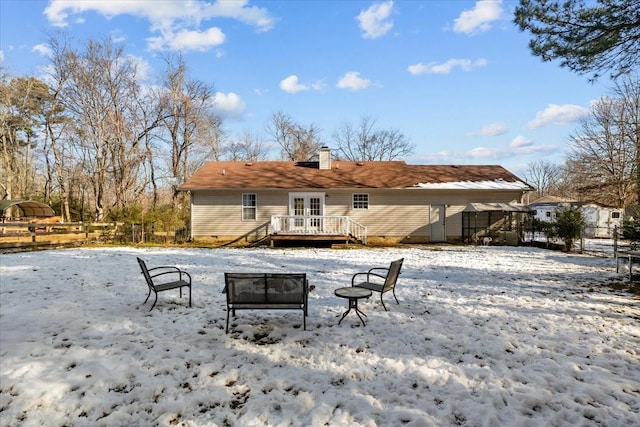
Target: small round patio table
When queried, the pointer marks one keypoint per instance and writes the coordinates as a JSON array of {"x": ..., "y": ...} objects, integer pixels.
[{"x": 353, "y": 294}]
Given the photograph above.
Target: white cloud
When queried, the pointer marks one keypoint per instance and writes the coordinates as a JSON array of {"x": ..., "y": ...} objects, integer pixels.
[
  {"x": 417, "y": 69},
  {"x": 319, "y": 85},
  {"x": 58, "y": 12},
  {"x": 1, "y": 56},
  {"x": 163, "y": 13},
  {"x": 169, "y": 18},
  {"x": 375, "y": 21},
  {"x": 558, "y": 114},
  {"x": 521, "y": 142},
  {"x": 520, "y": 146},
  {"x": 117, "y": 36},
  {"x": 492, "y": 129},
  {"x": 291, "y": 85},
  {"x": 42, "y": 49},
  {"x": 479, "y": 18},
  {"x": 143, "y": 68},
  {"x": 446, "y": 67},
  {"x": 229, "y": 105},
  {"x": 186, "y": 40},
  {"x": 353, "y": 81}
]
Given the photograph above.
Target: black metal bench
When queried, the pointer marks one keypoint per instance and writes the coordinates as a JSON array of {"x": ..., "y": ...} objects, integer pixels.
[
  {"x": 262, "y": 291},
  {"x": 177, "y": 279}
]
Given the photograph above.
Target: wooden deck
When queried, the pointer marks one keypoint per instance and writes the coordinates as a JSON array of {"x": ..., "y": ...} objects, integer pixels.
[
  {"x": 317, "y": 228},
  {"x": 301, "y": 238}
]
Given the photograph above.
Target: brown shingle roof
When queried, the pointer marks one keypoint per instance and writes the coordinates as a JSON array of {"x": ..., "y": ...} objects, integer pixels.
[{"x": 384, "y": 174}]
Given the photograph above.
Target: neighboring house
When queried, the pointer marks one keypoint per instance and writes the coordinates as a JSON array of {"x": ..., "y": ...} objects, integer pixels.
[
  {"x": 341, "y": 200},
  {"x": 601, "y": 220}
]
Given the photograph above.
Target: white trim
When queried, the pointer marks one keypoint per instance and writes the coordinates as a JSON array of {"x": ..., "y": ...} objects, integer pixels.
[
  {"x": 360, "y": 209},
  {"x": 242, "y": 207},
  {"x": 306, "y": 196}
]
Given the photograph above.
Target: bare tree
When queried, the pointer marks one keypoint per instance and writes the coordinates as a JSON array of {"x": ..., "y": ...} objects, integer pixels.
[
  {"x": 21, "y": 120},
  {"x": 297, "y": 143},
  {"x": 628, "y": 91},
  {"x": 57, "y": 150},
  {"x": 366, "y": 143},
  {"x": 102, "y": 95},
  {"x": 544, "y": 176},
  {"x": 250, "y": 147},
  {"x": 189, "y": 120},
  {"x": 603, "y": 162}
]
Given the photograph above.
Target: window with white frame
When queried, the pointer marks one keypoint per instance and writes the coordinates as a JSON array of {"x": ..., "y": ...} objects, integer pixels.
[
  {"x": 360, "y": 201},
  {"x": 249, "y": 207}
]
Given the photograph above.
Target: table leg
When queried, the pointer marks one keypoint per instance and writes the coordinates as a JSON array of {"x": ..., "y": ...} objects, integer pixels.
[{"x": 353, "y": 304}]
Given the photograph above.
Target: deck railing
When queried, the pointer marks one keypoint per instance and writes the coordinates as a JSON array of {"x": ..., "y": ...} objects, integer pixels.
[{"x": 318, "y": 225}]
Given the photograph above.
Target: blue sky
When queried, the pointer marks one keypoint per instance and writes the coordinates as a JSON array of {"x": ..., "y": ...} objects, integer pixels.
[{"x": 455, "y": 77}]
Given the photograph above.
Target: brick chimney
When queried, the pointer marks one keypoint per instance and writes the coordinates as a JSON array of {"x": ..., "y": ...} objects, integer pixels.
[{"x": 325, "y": 158}]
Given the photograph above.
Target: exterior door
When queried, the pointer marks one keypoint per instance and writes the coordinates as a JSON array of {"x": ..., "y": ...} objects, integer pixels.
[
  {"x": 437, "y": 220},
  {"x": 306, "y": 209}
]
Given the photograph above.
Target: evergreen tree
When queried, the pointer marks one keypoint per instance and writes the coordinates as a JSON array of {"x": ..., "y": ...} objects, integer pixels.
[{"x": 587, "y": 37}]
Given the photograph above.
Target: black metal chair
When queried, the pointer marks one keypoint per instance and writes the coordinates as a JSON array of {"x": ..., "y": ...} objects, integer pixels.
[
  {"x": 150, "y": 275},
  {"x": 378, "y": 282}
]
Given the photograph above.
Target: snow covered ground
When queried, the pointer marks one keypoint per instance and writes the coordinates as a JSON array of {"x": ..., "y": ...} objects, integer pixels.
[{"x": 483, "y": 336}]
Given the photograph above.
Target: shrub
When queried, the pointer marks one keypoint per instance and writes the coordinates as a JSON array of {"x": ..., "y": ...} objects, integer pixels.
[{"x": 569, "y": 225}]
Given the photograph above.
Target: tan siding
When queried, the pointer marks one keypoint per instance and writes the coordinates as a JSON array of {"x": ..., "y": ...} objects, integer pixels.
[
  {"x": 401, "y": 213},
  {"x": 391, "y": 213},
  {"x": 394, "y": 214},
  {"x": 219, "y": 213}
]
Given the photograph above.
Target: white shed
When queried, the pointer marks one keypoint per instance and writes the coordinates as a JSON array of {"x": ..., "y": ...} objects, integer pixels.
[{"x": 601, "y": 220}]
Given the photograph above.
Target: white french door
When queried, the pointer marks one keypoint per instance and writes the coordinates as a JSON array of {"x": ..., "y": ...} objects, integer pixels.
[{"x": 306, "y": 207}]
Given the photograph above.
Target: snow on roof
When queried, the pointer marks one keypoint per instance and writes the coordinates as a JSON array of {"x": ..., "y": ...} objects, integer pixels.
[
  {"x": 499, "y": 184},
  {"x": 497, "y": 207}
]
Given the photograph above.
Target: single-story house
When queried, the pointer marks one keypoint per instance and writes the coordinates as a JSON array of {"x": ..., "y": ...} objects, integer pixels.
[
  {"x": 601, "y": 220},
  {"x": 342, "y": 200}
]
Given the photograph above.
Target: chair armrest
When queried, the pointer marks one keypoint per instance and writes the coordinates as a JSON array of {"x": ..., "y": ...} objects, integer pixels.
[
  {"x": 166, "y": 269},
  {"x": 368, "y": 274},
  {"x": 186, "y": 274},
  {"x": 379, "y": 268}
]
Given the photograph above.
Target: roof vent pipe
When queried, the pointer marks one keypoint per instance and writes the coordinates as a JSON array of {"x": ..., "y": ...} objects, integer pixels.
[{"x": 325, "y": 158}]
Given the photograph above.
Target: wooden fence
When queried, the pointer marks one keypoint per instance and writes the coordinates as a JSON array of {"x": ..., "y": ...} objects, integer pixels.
[{"x": 35, "y": 235}]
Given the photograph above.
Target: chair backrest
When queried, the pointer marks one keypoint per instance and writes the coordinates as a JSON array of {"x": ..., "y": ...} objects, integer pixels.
[
  {"x": 392, "y": 274},
  {"x": 244, "y": 287},
  {"x": 145, "y": 272},
  {"x": 285, "y": 288}
]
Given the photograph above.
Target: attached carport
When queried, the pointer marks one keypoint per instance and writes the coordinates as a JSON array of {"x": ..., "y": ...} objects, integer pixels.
[
  {"x": 501, "y": 222},
  {"x": 28, "y": 208}
]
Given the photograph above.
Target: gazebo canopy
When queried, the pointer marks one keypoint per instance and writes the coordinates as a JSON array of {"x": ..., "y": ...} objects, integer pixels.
[{"x": 28, "y": 207}]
